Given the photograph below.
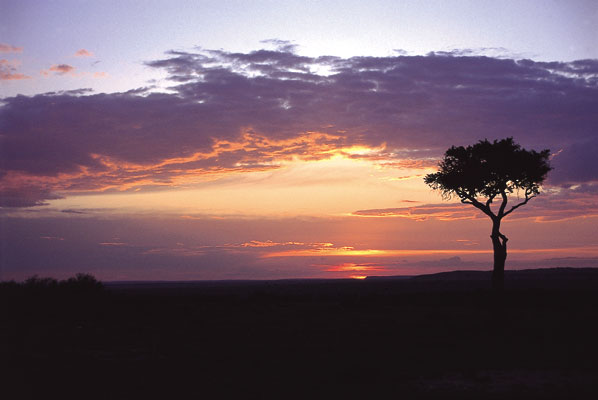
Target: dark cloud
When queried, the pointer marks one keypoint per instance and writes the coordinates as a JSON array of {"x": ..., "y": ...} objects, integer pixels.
[
  {"x": 576, "y": 163},
  {"x": 239, "y": 111},
  {"x": 61, "y": 69},
  {"x": 26, "y": 196}
]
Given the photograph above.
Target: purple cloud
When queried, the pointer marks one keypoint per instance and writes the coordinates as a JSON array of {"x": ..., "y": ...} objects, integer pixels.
[
  {"x": 239, "y": 111},
  {"x": 59, "y": 69}
]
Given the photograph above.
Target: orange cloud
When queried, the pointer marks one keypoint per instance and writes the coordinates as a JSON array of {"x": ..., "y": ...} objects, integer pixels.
[
  {"x": 6, "y": 48},
  {"x": 251, "y": 153},
  {"x": 269, "y": 243},
  {"x": 467, "y": 242},
  {"x": 327, "y": 249},
  {"x": 411, "y": 164},
  {"x": 8, "y": 71},
  {"x": 385, "y": 253},
  {"x": 351, "y": 267},
  {"x": 443, "y": 212},
  {"x": 83, "y": 53},
  {"x": 407, "y": 177}
]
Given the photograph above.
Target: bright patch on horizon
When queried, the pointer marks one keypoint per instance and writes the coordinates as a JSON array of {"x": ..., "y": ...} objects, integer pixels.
[{"x": 350, "y": 251}]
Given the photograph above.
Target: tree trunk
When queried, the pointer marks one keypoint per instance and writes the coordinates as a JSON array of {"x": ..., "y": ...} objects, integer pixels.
[{"x": 499, "y": 243}]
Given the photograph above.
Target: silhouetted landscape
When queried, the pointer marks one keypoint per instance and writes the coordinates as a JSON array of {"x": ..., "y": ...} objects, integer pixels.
[
  {"x": 428, "y": 336},
  {"x": 168, "y": 169}
]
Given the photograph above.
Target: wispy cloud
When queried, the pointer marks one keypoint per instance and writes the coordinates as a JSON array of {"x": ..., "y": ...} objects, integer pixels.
[
  {"x": 83, "y": 53},
  {"x": 51, "y": 238},
  {"x": 443, "y": 212},
  {"x": 174, "y": 248},
  {"x": 8, "y": 70},
  {"x": 552, "y": 206},
  {"x": 7, "y": 48}
]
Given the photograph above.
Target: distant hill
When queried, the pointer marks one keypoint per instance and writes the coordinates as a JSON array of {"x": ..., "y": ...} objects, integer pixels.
[
  {"x": 469, "y": 275},
  {"x": 546, "y": 278}
]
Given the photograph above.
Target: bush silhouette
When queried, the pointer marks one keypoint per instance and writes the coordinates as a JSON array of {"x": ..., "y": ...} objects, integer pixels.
[
  {"x": 83, "y": 283},
  {"x": 80, "y": 283},
  {"x": 37, "y": 283}
]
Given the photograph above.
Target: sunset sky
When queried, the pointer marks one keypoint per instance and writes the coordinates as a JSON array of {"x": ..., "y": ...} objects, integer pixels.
[{"x": 185, "y": 140}]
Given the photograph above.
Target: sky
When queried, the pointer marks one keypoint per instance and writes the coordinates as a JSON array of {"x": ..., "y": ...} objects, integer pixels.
[{"x": 189, "y": 140}]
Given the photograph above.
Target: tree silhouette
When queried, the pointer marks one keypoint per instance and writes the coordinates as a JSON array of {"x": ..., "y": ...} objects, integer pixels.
[{"x": 485, "y": 171}]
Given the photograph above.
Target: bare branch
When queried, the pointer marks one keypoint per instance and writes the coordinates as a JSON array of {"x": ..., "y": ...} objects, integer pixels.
[
  {"x": 468, "y": 199},
  {"x": 527, "y": 198}
]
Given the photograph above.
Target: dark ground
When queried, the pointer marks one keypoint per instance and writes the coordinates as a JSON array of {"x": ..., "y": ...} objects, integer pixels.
[{"x": 442, "y": 336}]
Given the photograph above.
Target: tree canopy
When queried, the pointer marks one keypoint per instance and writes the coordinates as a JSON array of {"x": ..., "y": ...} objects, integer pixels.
[{"x": 489, "y": 169}]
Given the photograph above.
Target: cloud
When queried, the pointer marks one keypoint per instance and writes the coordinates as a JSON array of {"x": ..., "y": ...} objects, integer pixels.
[
  {"x": 25, "y": 196},
  {"x": 235, "y": 112},
  {"x": 7, "y": 48},
  {"x": 120, "y": 247},
  {"x": 83, "y": 53},
  {"x": 59, "y": 69},
  {"x": 66, "y": 69},
  {"x": 8, "y": 71},
  {"x": 554, "y": 205},
  {"x": 51, "y": 238},
  {"x": 442, "y": 212},
  {"x": 281, "y": 45},
  {"x": 576, "y": 163}
]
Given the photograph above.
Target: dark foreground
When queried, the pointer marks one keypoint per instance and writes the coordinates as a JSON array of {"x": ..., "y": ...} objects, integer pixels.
[{"x": 433, "y": 337}]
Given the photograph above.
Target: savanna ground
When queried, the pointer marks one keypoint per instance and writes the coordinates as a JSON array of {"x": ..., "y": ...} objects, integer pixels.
[{"x": 442, "y": 337}]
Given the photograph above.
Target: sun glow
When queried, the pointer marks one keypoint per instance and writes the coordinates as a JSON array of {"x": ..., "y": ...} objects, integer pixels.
[
  {"x": 329, "y": 181},
  {"x": 350, "y": 251}
]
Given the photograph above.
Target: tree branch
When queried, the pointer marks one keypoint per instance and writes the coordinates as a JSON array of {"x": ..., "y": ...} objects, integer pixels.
[
  {"x": 490, "y": 200},
  {"x": 527, "y": 198},
  {"x": 468, "y": 199}
]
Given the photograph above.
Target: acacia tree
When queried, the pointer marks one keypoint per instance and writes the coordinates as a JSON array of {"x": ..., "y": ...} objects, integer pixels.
[{"x": 489, "y": 171}]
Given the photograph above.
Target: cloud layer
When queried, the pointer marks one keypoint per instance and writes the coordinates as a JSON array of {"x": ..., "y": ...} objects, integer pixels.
[
  {"x": 565, "y": 204},
  {"x": 234, "y": 112},
  {"x": 141, "y": 247}
]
